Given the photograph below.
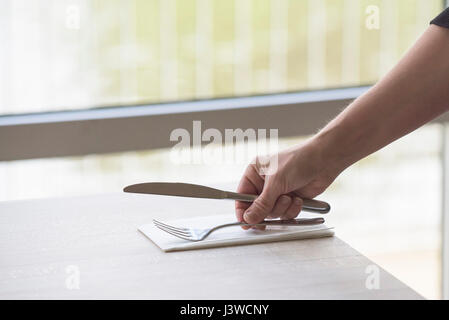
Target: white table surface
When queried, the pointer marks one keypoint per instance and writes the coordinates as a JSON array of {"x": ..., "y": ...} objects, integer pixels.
[{"x": 45, "y": 243}]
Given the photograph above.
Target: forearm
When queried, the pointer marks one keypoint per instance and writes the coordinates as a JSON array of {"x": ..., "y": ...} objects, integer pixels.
[{"x": 411, "y": 94}]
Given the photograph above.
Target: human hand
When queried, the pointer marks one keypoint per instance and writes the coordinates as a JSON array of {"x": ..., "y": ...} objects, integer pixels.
[{"x": 281, "y": 181}]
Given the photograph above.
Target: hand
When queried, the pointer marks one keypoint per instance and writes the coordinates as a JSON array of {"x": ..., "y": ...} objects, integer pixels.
[{"x": 281, "y": 181}]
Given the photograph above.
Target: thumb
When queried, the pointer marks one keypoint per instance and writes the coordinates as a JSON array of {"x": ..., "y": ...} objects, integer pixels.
[{"x": 262, "y": 206}]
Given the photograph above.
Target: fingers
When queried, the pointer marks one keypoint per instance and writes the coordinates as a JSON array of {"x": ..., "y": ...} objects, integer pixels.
[
  {"x": 239, "y": 211},
  {"x": 282, "y": 204},
  {"x": 251, "y": 183},
  {"x": 293, "y": 210},
  {"x": 272, "y": 201},
  {"x": 262, "y": 206},
  {"x": 285, "y": 208}
]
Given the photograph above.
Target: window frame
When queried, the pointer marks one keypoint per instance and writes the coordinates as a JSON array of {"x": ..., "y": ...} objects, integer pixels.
[{"x": 144, "y": 127}]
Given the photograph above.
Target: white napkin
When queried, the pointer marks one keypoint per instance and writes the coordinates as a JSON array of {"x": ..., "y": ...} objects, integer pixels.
[{"x": 229, "y": 236}]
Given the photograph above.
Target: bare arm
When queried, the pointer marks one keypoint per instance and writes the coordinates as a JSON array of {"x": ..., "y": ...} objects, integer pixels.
[{"x": 414, "y": 92}]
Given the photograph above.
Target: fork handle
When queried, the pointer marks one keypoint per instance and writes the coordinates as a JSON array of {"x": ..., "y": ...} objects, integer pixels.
[
  {"x": 310, "y": 205},
  {"x": 291, "y": 222}
]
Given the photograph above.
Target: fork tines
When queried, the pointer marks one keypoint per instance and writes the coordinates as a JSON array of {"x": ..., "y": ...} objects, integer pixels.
[{"x": 182, "y": 233}]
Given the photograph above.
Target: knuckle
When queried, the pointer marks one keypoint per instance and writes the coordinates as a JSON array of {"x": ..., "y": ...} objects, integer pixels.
[
  {"x": 285, "y": 200},
  {"x": 262, "y": 205},
  {"x": 252, "y": 217},
  {"x": 257, "y": 212}
]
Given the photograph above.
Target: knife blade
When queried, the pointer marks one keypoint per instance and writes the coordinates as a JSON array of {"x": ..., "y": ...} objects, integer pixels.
[{"x": 198, "y": 191}]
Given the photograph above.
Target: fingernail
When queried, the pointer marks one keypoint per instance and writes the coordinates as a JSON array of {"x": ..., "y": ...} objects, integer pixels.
[{"x": 297, "y": 201}]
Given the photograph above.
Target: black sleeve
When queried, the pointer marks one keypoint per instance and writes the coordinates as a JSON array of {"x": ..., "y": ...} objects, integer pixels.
[{"x": 442, "y": 20}]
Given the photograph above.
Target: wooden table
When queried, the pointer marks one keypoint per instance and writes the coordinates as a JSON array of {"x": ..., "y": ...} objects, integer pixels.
[{"x": 89, "y": 247}]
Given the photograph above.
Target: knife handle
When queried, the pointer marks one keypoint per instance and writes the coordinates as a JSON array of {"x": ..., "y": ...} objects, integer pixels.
[
  {"x": 310, "y": 205},
  {"x": 241, "y": 196}
]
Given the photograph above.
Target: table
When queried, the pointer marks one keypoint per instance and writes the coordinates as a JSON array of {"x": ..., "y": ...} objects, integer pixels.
[{"x": 89, "y": 248}]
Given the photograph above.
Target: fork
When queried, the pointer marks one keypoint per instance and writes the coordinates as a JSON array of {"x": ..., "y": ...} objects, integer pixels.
[{"x": 192, "y": 234}]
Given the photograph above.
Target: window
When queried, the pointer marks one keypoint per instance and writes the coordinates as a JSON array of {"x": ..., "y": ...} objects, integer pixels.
[
  {"x": 76, "y": 54},
  {"x": 84, "y": 54}
]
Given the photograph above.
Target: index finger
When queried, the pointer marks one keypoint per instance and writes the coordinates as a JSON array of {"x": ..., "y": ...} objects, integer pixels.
[{"x": 251, "y": 183}]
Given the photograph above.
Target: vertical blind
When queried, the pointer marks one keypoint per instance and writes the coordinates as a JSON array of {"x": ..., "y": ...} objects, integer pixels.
[{"x": 72, "y": 54}]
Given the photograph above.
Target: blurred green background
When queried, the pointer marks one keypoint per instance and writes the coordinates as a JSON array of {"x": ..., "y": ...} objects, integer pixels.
[
  {"x": 78, "y": 54},
  {"x": 72, "y": 54}
]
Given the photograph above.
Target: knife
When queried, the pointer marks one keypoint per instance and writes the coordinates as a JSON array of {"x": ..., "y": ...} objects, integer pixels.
[{"x": 198, "y": 191}]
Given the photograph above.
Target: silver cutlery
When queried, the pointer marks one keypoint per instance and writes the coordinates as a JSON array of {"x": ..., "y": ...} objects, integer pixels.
[
  {"x": 198, "y": 191},
  {"x": 193, "y": 234}
]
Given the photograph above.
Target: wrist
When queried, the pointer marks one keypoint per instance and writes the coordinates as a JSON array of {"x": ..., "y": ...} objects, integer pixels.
[{"x": 328, "y": 153}]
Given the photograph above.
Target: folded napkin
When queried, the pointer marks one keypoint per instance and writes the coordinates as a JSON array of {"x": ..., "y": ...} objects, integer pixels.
[{"x": 229, "y": 236}]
